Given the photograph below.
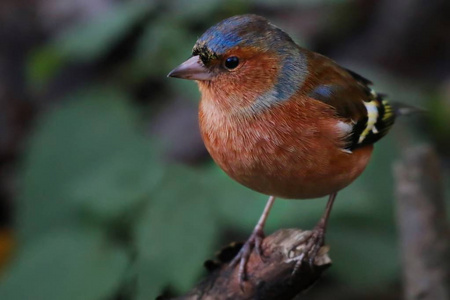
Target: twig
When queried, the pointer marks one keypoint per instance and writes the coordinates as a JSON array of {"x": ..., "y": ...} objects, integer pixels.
[
  {"x": 422, "y": 223},
  {"x": 268, "y": 279}
]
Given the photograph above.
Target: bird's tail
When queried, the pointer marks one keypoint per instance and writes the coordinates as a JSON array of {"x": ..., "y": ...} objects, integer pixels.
[{"x": 401, "y": 109}]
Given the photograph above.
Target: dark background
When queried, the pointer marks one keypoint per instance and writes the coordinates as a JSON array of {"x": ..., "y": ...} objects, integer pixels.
[{"x": 106, "y": 190}]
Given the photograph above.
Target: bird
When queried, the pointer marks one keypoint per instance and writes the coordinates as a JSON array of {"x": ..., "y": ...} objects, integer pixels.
[{"x": 282, "y": 120}]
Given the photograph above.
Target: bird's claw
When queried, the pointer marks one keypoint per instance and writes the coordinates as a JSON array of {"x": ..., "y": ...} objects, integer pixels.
[
  {"x": 253, "y": 243},
  {"x": 309, "y": 248}
]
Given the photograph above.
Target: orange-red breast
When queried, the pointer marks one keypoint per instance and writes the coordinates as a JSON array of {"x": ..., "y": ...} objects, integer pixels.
[{"x": 280, "y": 119}]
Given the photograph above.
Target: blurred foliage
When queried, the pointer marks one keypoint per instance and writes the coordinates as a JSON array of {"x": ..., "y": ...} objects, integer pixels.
[{"x": 101, "y": 214}]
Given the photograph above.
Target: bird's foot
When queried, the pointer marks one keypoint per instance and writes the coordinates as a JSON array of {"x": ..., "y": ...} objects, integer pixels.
[
  {"x": 254, "y": 242},
  {"x": 309, "y": 247}
]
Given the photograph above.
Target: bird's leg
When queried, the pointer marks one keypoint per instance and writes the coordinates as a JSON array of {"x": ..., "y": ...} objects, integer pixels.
[
  {"x": 316, "y": 240},
  {"x": 253, "y": 242}
]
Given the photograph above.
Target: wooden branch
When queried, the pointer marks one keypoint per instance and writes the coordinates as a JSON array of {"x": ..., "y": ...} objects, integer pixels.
[
  {"x": 424, "y": 235},
  {"x": 270, "y": 279}
]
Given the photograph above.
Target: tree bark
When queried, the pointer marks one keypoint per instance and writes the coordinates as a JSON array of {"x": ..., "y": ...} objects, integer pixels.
[
  {"x": 268, "y": 279},
  {"x": 424, "y": 234}
]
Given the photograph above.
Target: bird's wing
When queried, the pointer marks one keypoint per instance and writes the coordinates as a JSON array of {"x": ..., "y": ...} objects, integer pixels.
[{"x": 355, "y": 102}]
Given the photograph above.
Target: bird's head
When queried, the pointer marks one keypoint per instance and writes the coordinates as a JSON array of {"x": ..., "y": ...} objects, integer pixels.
[{"x": 245, "y": 58}]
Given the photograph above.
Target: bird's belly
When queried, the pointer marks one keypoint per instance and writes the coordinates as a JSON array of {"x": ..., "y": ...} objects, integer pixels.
[
  {"x": 286, "y": 167},
  {"x": 295, "y": 176}
]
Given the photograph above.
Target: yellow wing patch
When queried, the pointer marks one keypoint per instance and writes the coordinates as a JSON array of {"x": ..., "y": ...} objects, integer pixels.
[
  {"x": 372, "y": 117},
  {"x": 388, "y": 112}
]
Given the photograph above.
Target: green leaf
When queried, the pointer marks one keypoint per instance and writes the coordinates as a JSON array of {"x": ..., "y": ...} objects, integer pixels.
[
  {"x": 119, "y": 185},
  {"x": 89, "y": 41},
  {"x": 175, "y": 235},
  {"x": 66, "y": 265},
  {"x": 82, "y": 155},
  {"x": 86, "y": 41}
]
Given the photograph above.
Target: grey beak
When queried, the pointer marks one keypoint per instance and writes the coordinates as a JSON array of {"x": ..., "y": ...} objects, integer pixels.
[{"x": 192, "y": 69}]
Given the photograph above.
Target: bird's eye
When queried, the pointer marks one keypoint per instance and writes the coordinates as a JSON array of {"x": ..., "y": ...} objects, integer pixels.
[{"x": 231, "y": 62}]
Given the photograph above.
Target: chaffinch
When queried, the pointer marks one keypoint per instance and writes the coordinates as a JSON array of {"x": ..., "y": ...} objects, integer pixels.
[{"x": 282, "y": 120}]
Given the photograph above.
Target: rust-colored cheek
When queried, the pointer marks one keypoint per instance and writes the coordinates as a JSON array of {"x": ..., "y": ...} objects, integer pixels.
[{"x": 232, "y": 90}]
